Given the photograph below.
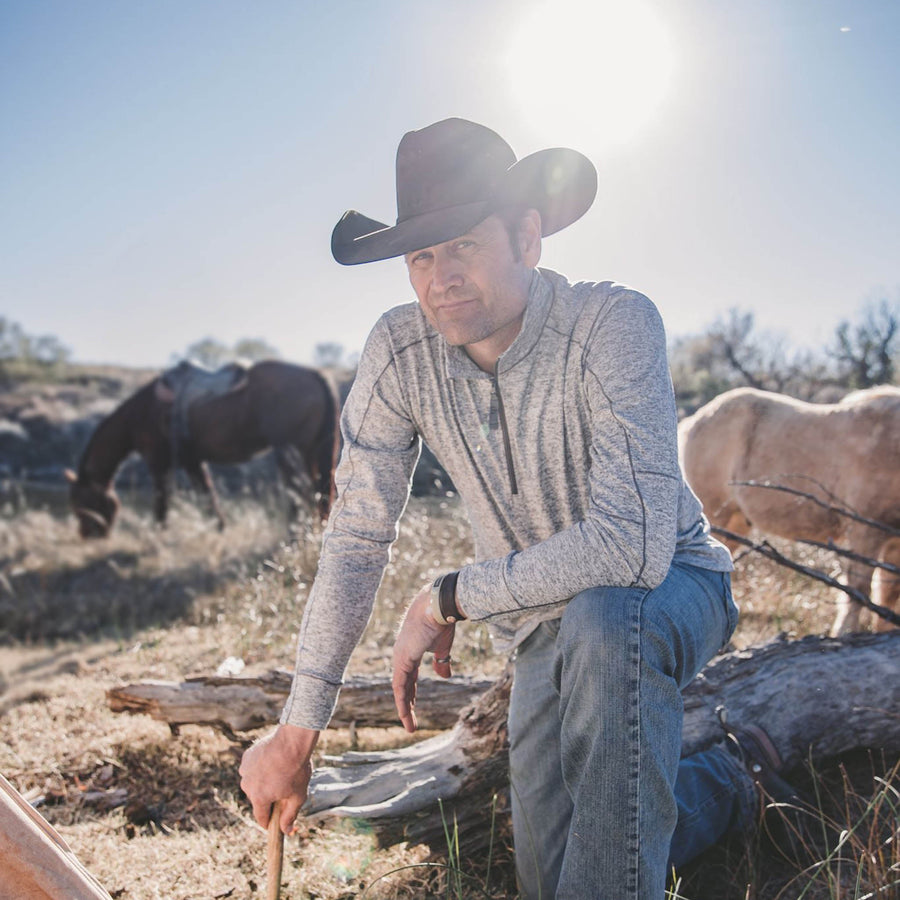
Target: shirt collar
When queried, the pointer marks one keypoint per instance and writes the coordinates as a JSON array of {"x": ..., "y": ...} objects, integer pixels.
[{"x": 537, "y": 308}]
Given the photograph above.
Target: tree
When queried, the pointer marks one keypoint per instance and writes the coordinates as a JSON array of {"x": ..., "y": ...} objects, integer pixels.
[
  {"x": 206, "y": 352},
  {"x": 25, "y": 355},
  {"x": 696, "y": 374},
  {"x": 213, "y": 353},
  {"x": 866, "y": 352},
  {"x": 732, "y": 353},
  {"x": 328, "y": 355},
  {"x": 16, "y": 344},
  {"x": 763, "y": 359},
  {"x": 410, "y": 793},
  {"x": 255, "y": 350}
]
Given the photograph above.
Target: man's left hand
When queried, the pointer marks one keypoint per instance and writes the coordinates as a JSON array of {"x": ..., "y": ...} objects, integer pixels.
[{"x": 418, "y": 634}]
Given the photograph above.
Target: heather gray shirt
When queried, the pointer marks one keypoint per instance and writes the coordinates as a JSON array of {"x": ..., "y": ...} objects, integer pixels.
[{"x": 565, "y": 458}]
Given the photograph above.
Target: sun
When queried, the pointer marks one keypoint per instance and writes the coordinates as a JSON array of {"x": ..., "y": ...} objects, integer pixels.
[{"x": 594, "y": 72}]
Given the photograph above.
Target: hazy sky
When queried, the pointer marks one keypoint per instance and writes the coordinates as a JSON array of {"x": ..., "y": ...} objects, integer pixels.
[{"x": 172, "y": 169}]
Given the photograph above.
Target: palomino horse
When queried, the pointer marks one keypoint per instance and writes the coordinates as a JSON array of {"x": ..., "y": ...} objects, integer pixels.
[
  {"x": 844, "y": 454},
  {"x": 289, "y": 408}
]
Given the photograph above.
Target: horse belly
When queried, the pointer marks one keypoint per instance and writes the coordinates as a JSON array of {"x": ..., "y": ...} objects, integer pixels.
[{"x": 786, "y": 515}]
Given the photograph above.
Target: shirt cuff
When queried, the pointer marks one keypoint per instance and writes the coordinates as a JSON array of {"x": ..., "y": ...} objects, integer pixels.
[{"x": 311, "y": 703}]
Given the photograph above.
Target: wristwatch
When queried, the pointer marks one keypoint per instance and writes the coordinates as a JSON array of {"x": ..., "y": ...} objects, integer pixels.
[{"x": 443, "y": 600}]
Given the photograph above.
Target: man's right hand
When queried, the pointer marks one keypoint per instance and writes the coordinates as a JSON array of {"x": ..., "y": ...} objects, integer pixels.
[{"x": 278, "y": 767}]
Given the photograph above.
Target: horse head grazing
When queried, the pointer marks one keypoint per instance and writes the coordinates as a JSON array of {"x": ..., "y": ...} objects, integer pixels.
[
  {"x": 187, "y": 419},
  {"x": 94, "y": 506}
]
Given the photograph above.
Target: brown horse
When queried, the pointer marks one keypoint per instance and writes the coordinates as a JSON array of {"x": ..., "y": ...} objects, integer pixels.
[
  {"x": 291, "y": 409},
  {"x": 844, "y": 454}
]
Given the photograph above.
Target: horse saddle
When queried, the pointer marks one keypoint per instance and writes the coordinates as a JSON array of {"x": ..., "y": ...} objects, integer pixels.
[{"x": 188, "y": 383}]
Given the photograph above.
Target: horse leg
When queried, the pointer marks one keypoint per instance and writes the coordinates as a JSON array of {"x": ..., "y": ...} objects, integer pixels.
[
  {"x": 857, "y": 575},
  {"x": 162, "y": 486},
  {"x": 295, "y": 478},
  {"x": 322, "y": 467},
  {"x": 846, "y": 621},
  {"x": 730, "y": 518},
  {"x": 886, "y": 585},
  {"x": 198, "y": 472}
]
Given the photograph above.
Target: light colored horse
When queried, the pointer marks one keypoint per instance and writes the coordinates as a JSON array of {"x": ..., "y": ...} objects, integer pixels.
[{"x": 845, "y": 454}]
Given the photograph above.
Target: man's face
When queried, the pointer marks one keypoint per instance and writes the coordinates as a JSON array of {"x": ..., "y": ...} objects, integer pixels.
[{"x": 473, "y": 289}]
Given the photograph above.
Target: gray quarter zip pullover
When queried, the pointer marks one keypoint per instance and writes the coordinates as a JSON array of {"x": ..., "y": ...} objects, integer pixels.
[{"x": 565, "y": 457}]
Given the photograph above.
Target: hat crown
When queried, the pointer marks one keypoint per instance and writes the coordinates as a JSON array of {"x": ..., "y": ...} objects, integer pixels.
[{"x": 449, "y": 163}]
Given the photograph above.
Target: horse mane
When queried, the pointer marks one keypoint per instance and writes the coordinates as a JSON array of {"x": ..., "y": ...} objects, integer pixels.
[{"x": 114, "y": 438}]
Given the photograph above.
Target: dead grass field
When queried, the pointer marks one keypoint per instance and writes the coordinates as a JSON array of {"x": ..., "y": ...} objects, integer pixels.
[{"x": 154, "y": 815}]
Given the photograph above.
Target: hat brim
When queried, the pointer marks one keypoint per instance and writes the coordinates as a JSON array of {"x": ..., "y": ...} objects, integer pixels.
[{"x": 560, "y": 184}]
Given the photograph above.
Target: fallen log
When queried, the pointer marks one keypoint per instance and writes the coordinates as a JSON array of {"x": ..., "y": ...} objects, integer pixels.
[
  {"x": 817, "y": 697},
  {"x": 236, "y": 704}
]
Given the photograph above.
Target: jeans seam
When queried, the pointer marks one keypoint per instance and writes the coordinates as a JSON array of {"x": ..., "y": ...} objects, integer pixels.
[{"x": 636, "y": 694}]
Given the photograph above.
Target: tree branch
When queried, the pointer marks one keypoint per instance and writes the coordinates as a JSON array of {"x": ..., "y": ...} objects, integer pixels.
[
  {"x": 840, "y": 510},
  {"x": 766, "y": 549},
  {"x": 243, "y": 703},
  {"x": 849, "y": 554}
]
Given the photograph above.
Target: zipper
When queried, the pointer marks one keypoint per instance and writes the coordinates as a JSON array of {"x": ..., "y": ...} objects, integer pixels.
[{"x": 507, "y": 447}]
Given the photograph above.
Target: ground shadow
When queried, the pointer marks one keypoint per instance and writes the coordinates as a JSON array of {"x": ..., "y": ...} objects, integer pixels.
[{"x": 105, "y": 598}]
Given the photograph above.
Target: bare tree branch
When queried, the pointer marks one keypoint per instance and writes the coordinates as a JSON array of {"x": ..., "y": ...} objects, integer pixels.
[
  {"x": 865, "y": 351},
  {"x": 764, "y": 548},
  {"x": 840, "y": 510},
  {"x": 849, "y": 554}
]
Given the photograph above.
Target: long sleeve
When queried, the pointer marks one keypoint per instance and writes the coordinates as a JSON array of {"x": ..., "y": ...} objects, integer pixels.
[{"x": 380, "y": 450}]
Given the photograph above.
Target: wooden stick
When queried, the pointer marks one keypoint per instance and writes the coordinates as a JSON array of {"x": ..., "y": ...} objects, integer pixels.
[{"x": 274, "y": 854}]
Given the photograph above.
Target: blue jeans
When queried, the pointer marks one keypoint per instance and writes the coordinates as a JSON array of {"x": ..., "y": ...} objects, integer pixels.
[{"x": 597, "y": 787}]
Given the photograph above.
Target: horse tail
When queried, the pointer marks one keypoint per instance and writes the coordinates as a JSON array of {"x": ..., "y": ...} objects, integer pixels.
[{"x": 327, "y": 447}]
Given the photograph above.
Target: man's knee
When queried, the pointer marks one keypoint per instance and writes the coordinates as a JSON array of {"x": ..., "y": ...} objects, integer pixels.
[
  {"x": 620, "y": 622},
  {"x": 599, "y": 637},
  {"x": 601, "y": 615}
]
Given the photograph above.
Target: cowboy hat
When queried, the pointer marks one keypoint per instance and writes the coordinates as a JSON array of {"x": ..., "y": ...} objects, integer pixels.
[{"x": 452, "y": 175}]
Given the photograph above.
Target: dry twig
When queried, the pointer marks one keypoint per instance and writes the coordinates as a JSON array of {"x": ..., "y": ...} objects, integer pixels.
[{"x": 764, "y": 548}]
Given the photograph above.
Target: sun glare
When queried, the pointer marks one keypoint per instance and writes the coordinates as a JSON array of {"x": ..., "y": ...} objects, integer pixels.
[{"x": 594, "y": 72}]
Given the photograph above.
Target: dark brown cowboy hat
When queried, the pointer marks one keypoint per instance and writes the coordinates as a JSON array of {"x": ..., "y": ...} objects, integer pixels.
[{"x": 453, "y": 175}]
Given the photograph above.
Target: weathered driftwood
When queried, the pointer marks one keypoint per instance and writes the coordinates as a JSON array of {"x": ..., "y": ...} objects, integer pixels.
[
  {"x": 235, "y": 704},
  {"x": 455, "y": 780},
  {"x": 817, "y": 697}
]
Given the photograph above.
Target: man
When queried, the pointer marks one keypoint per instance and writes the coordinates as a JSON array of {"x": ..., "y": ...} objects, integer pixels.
[{"x": 551, "y": 407}]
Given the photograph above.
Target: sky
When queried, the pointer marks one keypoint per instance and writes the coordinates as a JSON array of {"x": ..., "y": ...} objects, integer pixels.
[{"x": 172, "y": 170}]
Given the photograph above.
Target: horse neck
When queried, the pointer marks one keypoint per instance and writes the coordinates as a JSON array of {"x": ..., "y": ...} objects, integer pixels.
[{"x": 113, "y": 439}]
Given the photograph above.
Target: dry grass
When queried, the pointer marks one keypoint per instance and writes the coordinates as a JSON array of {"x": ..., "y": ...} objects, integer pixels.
[
  {"x": 842, "y": 845},
  {"x": 80, "y": 618}
]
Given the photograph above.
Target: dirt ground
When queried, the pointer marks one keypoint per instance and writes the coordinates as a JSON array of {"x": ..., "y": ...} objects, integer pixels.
[{"x": 149, "y": 813}]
